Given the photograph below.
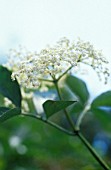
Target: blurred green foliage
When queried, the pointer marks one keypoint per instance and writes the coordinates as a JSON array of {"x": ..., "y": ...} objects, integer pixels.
[{"x": 29, "y": 144}]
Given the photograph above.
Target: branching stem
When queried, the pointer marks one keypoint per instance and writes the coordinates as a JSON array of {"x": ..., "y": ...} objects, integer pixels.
[
  {"x": 66, "y": 114},
  {"x": 81, "y": 116},
  {"x": 64, "y": 73},
  {"x": 79, "y": 135},
  {"x": 50, "y": 123}
]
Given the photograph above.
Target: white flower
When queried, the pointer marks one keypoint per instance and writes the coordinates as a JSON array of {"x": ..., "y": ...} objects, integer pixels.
[{"x": 51, "y": 62}]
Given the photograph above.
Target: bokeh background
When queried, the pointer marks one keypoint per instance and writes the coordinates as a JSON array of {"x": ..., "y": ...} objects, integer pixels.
[{"x": 27, "y": 144}]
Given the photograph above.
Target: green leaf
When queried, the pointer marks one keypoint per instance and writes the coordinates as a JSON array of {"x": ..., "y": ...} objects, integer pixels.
[
  {"x": 51, "y": 107},
  {"x": 101, "y": 107},
  {"x": 104, "y": 117},
  {"x": 77, "y": 108},
  {"x": 9, "y": 88},
  {"x": 1, "y": 100},
  {"x": 66, "y": 93},
  {"x": 102, "y": 100},
  {"x": 6, "y": 113},
  {"x": 78, "y": 87},
  {"x": 3, "y": 109}
]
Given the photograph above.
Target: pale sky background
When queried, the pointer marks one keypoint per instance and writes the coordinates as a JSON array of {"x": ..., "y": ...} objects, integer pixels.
[{"x": 36, "y": 23}]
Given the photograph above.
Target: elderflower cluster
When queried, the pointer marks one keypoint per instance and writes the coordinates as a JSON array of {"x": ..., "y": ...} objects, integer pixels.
[{"x": 51, "y": 62}]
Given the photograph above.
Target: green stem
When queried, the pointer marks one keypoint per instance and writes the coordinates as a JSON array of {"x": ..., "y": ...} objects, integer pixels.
[
  {"x": 66, "y": 114},
  {"x": 52, "y": 81},
  {"x": 50, "y": 123},
  {"x": 93, "y": 152},
  {"x": 80, "y": 136},
  {"x": 81, "y": 116},
  {"x": 64, "y": 73}
]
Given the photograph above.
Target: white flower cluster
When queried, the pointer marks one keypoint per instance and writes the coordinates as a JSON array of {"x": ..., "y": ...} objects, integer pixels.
[{"x": 51, "y": 62}]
